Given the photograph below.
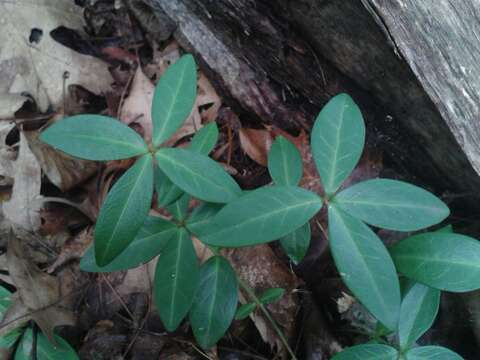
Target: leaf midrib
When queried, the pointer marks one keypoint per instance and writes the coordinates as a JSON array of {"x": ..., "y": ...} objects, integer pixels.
[
  {"x": 386, "y": 308},
  {"x": 329, "y": 186},
  {"x": 214, "y": 296},
  {"x": 102, "y": 140},
  {"x": 179, "y": 248}
]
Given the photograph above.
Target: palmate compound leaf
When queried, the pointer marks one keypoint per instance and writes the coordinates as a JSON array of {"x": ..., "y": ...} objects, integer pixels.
[
  {"x": 365, "y": 266},
  {"x": 215, "y": 301},
  {"x": 173, "y": 98},
  {"x": 197, "y": 175},
  {"x": 202, "y": 142},
  {"x": 260, "y": 216},
  {"x": 149, "y": 242},
  {"x": 176, "y": 279},
  {"x": 392, "y": 204},
  {"x": 45, "y": 350},
  {"x": 285, "y": 162},
  {"x": 297, "y": 243},
  {"x": 94, "y": 137},
  {"x": 443, "y": 261},
  {"x": 124, "y": 211},
  {"x": 431, "y": 353},
  {"x": 368, "y": 351},
  {"x": 417, "y": 312},
  {"x": 337, "y": 141}
]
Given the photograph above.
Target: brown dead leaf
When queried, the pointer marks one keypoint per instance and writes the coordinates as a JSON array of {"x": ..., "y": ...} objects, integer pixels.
[
  {"x": 256, "y": 144},
  {"x": 63, "y": 171},
  {"x": 138, "y": 104},
  {"x": 261, "y": 269},
  {"x": 37, "y": 291},
  {"x": 23, "y": 208}
]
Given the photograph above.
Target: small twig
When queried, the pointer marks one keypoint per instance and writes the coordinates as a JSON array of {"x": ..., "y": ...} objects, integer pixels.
[{"x": 119, "y": 298}]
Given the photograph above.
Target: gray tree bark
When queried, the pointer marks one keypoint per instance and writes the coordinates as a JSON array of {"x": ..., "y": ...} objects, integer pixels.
[{"x": 411, "y": 65}]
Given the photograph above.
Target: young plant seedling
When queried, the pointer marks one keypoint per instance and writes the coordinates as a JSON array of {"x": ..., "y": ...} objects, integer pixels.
[
  {"x": 125, "y": 236},
  {"x": 20, "y": 340}
]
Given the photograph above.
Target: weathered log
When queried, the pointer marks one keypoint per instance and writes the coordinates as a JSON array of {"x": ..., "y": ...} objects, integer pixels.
[{"x": 271, "y": 73}]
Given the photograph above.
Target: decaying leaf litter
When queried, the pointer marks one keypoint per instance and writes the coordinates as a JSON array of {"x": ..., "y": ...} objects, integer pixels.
[{"x": 62, "y": 59}]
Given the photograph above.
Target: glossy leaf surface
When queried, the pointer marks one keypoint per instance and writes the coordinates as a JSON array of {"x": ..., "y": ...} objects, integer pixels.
[
  {"x": 392, "y": 204},
  {"x": 176, "y": 279},
  {"x": 179, "y": 208},
  {"x": 368, "y": 351},
  {"x": 215, "y": 302},
  {"x": 94, "y": 137},
  {"x": 337, "y": 141},
  {"x": 365, "y": 266},
  {"x": 285, "y": 162},
  {"x": 261, "y": 216},
  {"x": 418, "y": 311},
  {"x": 45, "y": 350},
  {"x": 432, "y": 353},
  {"x": 198, "y": 175},
  {"x": 297, "y": 243},
  {"x": 124, "y": 211},
  {"x": 148, "y": 243},
  {"x": 201, "y": 217},
  {"x": 443, "y": 261},
  {"x": 205, "y": 139},
  {"x": 173, "y": 98}
]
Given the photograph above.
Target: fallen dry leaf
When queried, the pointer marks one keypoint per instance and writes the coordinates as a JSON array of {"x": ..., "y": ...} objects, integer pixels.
[
  {"x": 8, "y": 154},
  {"x": 62, "y": 170},
  {"x": 256, "y": 144},
  {"x": 38, "y": 67},
  {"x": 261, "y": 269},
  {"x": 23, "y": 208},
  {"x": 137, "y": 106},
  {"x": 37, "y": 291}
]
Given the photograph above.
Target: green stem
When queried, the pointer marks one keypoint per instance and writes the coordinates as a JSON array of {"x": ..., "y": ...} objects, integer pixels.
[{"x": 279, "y": 332}]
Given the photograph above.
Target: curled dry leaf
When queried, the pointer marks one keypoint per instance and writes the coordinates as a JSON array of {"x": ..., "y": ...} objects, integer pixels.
[
  {"x": 39, "y": 294},
  {"x": 261, "y": 269},
  {"x": 23, "y": 208},
  {"x": 62, "y": 170},
  {"x": 256, "y": 144}
]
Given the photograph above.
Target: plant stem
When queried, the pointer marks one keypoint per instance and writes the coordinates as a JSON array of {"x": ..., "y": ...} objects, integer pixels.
[{"x": 279, "y": 332}]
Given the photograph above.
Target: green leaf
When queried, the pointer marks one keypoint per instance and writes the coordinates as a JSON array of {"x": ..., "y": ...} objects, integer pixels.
[
  {"x": 443, "y": 261},
  {"x": 215, "y": 302},
  {"x": 203, "y": 142},
  {"x": 173, "y": 98},
  {"x": 417, "y": 313},
  {"x": 367, "y": 352},
  {"x": 285, "y": 162},
  {"x": 260, "y": 216},
  {"x": 124, "y": 211},
  {"x": 148, "y": 243},
  {"x": 94, "y": 137},
  {"x": 271, "y": 295},
  {"x": 337, "y": 141},
  {"x": 198, "y": 175},
  {"x": 365, "y": 266},
  {"x": 179, "y": 208},
  {"x": 201, "y": 217},
  {"x": 245, "y": 310},
  {"x": 297, "y": 243},
  {"x": 432, "y": 353},
  {"x": 176, "y": 279},
  {"x": 167, "y": 191},
  {"x": 45, "y": 350},
  {"x": 392, "y": 204},
  {"x": 446, "y": 229}
]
